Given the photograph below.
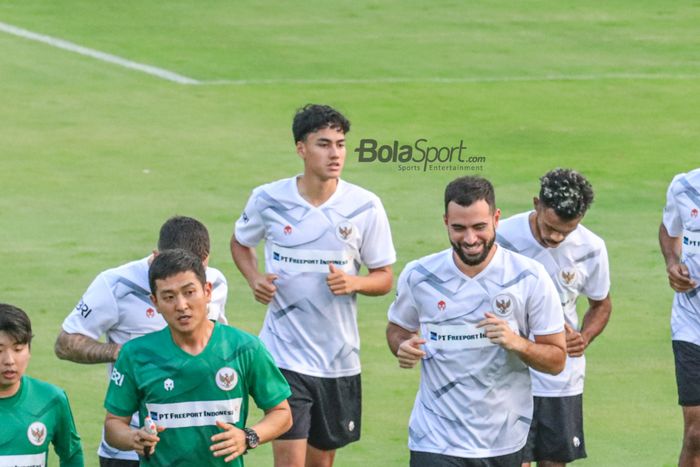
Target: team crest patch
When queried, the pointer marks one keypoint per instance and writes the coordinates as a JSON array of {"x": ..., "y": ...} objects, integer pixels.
[
  {"x": 36, "y": 433},
  {"x": 441, "y": 305},
  {"x": 694, "y": 212},
  {"x": 345, "y": 231},
  {"x": 503, "y": 305},
  {"x": 226, "y": 378},
  {"x": 150, "y": 312},
  {"x": 168, "y": 384},
  {"x": 568, "y": 276},
  {"x": 287, "y": 229}
]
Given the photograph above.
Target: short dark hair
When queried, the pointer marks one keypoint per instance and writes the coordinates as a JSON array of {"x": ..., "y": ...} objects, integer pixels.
[
  {"x": 567, "y": 192},
  {"x": 467, "y": 190},
  {"x": 186, "y": 233},
  {"x": 16, "y": 324},
  {"x": 314, "y": 117},
  {"x": 171, "y": 262}
]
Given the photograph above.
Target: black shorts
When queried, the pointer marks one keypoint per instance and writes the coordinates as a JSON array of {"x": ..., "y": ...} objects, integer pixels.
[
  {"x": 556, "y": 432},
  {"x": 325, "y": 411},
  {"x": 687, "y": 357},
  {"x": 431, "y": 459},
  {"x": 107, "y": 462}
]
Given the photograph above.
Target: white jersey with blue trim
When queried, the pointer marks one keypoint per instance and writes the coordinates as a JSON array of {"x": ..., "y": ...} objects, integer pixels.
[
  {"x": 307, "y": 328},
  {"x": 117, "y": 304},
  {"x": 578, "y": 266},
  {"x": 474, "y": 399},
  {"x": 682, "y": 219}
]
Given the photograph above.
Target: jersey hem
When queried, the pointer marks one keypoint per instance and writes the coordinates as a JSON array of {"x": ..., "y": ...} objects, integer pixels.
[
  {"x": 320, "y": 374},
  {"x": 475, "y": 454}
]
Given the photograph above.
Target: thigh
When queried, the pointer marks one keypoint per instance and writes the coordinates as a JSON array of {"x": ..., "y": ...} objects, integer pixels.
[
  {"x": 687, "y": 359},
  {"x": 336, "y": 413},
  {"x": 300, "y": 403},
  {"x": 558, "y": 430}
]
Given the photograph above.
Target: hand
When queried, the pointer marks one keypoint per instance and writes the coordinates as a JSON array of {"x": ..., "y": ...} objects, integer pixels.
[
  {"x": 499, "y": 332},
  {"x": 679, "y": 278},
  {"x": 264, "y": 288},
  {"x": 144, "y": 441},
  {"x": 230, "y": 443},
  {"x": 575, "y": 344},
  {"x": 339, "y": 282},
  {"x": 409, "y": 352}
]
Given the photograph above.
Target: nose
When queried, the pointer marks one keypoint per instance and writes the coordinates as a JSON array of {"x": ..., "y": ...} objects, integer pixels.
[
  {"x": 469, "y": 237},
  {"x": 557, "y": 237},
  {"x": 180, "y": 302},
  {"x": 7, "y": 358}
]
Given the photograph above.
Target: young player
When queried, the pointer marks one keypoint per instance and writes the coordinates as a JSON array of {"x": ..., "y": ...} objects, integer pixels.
[
  {"x": 34, "y": 413},
  {"x": 117, "y": 305},
  {"x": 193, "y": 379},
  {"x": 467, "y": 312},
  {"x": 577, "y": 261},
  {"x": 679, "y": 236},
  {"x": 318, "y": 231}
]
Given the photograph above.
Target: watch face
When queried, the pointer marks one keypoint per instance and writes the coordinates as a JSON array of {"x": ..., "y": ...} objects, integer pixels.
[{"x": 251, "y": 438}]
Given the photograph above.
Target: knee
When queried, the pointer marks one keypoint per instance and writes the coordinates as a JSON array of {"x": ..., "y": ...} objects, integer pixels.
[{"x": 691, "y": 440}]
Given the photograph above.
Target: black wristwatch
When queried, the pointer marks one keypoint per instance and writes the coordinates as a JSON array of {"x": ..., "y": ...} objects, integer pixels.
[{"x": 252, "y": 440}]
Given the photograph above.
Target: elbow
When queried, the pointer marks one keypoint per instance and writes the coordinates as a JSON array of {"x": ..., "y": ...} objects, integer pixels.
[
  {"x": 59, "y": 347},
  {"x": 558, "y": 363}
]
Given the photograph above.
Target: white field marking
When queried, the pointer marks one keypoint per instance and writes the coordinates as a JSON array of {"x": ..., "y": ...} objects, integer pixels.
[
  {"x": 475, "y": 79},
  {"x": 105, "y": 57},
  {"x": 180, "y": 79}
]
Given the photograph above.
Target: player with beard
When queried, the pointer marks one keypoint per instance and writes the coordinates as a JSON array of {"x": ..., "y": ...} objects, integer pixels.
[{"x": 467, "y": 312}]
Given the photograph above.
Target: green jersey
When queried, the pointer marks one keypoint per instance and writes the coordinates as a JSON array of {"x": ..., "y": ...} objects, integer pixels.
[
  {"x": 187, "y": 394},
  {"x": 38, "y": 414}
]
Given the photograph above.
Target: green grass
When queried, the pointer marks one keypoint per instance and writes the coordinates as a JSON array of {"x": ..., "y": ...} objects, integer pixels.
[{"x": 95, "y": 157}]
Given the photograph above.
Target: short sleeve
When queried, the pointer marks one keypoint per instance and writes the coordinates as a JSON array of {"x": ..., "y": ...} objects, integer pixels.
[
  {"x": 249, "y": 229},
  {"x": 66, "y": 441},
  {"x": 403, "y": 310},
  {"x": 544, "y": 312},
  {"x": 377, "y": 249},
  {"x": 122, "y": 394},
  {"x": 219, "y": 294},
  {"x": 671, "y": 217},
  {"x": 96, "y": 312},
  {"x": 597, "y": 286},
  {"x": 267, "y": 385}
]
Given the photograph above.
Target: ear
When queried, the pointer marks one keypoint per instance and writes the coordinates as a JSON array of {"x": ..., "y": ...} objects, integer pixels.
[
  {"x": 207, "y": 291},
  {"x": 301, "y": 149},
  {"x": 496, "y": 217},
  {"x": 444, "y": 218},
  {"x": 154, "y": 300},
  {"x": 535, "y": 202}
]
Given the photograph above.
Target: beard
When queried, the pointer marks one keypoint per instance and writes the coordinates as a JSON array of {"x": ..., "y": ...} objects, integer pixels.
[{"x": 474, "y": 260}]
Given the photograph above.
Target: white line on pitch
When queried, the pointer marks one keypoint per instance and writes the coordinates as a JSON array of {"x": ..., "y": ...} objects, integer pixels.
[
  {"x": 105, "y": 57},
  {"x": 475, "y": 79}
]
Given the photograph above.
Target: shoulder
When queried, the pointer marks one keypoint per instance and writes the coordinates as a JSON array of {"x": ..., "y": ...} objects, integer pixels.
[
  {"x": 357, "y": 193},
  {"x": 215, "y": 276},
  {"x": 584, "y": 236},
  {"x": 37, "y": 388},
  {"x": 516, "y": 264},
  {"x": 434, "y": 265},
  {"x": 134, "y": 271},
  {"x": 147, "y": 342},
  {"x": 283, "y": 188}
]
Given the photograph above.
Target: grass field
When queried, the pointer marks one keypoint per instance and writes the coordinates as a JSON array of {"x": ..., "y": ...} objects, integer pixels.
[{"x": 95, "y": 156}]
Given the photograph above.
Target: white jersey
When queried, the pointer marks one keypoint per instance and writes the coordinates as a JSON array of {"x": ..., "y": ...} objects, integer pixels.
[
  {"x": 474, "y": 399},
  {"x": 307, "y": 329},
  {"x": 118, "y": 305},
  {"x": 682, "y": 219},
  {"x": 578, "y": 266}
]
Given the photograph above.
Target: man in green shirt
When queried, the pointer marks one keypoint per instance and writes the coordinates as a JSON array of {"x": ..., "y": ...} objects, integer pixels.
[
  {"x": 33, "y": 413},
  {"x": 193, "y": 379}
]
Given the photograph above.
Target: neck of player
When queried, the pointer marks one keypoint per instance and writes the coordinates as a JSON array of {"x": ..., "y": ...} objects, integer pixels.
[
  {"x": 195, "y": 341},
  {"x": 316, "y": 190}
]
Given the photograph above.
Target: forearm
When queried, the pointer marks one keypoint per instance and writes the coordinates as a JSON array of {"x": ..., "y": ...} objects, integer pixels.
[
  {"x": 670, "y": 247},
  {"x": 595, "y": 319},
  {"x": 83, "y": 349},
  {"x": 395, "y": 335},
  {"x": 277, "y": 421},
  {"x": 119, "y": 434},
  {"x": 246, "y": 260},
  {"x": 547, "y": 354},
  {"x": 377, "y": 282}
]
